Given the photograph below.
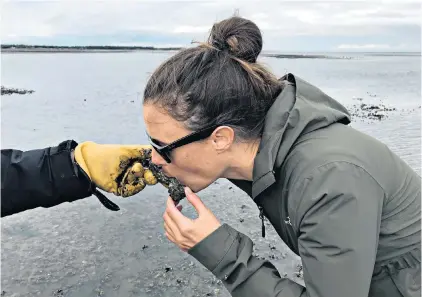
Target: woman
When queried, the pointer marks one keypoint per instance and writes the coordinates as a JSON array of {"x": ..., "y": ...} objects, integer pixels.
[{"x": 337, "y": 197}]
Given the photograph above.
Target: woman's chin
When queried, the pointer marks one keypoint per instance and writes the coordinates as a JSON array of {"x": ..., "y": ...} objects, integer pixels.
[{"x": 198, "y": 187}]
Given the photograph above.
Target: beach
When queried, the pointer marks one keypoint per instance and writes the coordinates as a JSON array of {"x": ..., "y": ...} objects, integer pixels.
[{"x": 81, "y": 248}]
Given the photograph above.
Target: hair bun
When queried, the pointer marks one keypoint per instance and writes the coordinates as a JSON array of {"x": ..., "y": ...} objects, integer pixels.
[{"x": 240, "y": 37}]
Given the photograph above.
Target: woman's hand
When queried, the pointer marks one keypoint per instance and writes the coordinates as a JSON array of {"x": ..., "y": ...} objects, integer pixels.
[{"x": 183, "y": 231}]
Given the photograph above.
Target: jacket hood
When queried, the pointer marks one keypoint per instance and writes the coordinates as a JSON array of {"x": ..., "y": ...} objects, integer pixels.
[{"x": 300, "y": 108}]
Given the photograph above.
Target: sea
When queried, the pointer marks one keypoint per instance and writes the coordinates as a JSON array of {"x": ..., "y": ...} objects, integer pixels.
[{"x": 82, "y": 249}]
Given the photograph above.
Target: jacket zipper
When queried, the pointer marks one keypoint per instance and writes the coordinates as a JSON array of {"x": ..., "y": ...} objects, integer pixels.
[{"x": 261, "y": 216}]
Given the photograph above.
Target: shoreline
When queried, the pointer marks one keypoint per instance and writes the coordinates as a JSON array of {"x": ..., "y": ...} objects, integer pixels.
[
  {"x": 21, "y": 48},
  {"x": 54, "y": 51}
]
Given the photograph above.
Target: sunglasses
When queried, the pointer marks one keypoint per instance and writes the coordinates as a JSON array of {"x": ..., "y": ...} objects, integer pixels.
[{"x": 165, "y": 151}]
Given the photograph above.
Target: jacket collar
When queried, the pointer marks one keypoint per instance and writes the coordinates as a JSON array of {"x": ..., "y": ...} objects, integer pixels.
[{"x": 263, "y": 171}]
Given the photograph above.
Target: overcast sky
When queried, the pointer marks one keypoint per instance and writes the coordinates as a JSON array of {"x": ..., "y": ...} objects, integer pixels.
[{"x": 286, "y": 26}]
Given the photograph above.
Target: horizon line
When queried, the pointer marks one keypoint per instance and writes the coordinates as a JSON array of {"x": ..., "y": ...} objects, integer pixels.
[{"x": 8, "y": 45}]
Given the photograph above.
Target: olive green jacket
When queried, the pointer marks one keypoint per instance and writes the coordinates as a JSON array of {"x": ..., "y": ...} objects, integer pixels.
[{"x": 341, "y": 200}]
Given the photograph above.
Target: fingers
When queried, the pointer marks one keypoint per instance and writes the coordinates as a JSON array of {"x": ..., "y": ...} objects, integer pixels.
[
  {"x": 131, "y": 189},
  {"x": 170, "y": 237},
  {"x": 150, "y": 177},
  {"x": 174, "y": 213},
  {"x": 195, "y": 201},
  {"x": 169, "y": 224},
  {"x": 172, "y": 232},
  {"x": 134, "y": 179},
  {"x": 137, "y": 170},
  {"x": 168, "y": 229},
  {"x": 183, "y": 247}
]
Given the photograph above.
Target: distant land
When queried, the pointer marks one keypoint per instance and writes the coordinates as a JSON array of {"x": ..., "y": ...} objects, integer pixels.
[
  {"x": 25, "y": 48},
  {"x": 16, "y": 48}
]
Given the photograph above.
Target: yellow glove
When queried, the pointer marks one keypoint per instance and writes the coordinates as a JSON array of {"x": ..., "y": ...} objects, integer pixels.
[{"x": 115, "y": 168}]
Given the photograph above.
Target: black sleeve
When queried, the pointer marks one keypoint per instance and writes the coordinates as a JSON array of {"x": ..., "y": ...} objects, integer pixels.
[{"x": 40, "y": 178}]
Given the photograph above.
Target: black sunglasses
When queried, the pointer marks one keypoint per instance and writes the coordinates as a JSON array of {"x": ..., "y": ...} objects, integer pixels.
[{"x": 165, "y": 150}]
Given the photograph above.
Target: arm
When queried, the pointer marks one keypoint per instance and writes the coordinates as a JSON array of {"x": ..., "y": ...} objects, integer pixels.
[
  {"x": 338, "y": 235},
  {"x": 40, "y": 178},
  {"x": 227, "y": 253}
]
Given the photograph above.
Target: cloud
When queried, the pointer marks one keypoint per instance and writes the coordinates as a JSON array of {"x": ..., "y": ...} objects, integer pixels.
[
  {"x": 283, "y": 24},
  {"x": 191, "y": 29}
]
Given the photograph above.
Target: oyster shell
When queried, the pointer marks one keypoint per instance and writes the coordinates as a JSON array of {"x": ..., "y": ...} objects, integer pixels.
[
  {"x": 175, "y": 188},
  {"x": 135, "y": 179}
]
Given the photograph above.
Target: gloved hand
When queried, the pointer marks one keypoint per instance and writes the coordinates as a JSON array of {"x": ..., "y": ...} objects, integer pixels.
[{"x": 115, "y": 168}]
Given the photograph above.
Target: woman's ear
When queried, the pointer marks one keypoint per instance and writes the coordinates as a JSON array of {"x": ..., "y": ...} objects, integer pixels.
[{"x": 222, "y": 138}]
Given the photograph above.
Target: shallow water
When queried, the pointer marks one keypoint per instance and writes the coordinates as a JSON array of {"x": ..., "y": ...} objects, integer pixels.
[{"x": 81, "y": 248}]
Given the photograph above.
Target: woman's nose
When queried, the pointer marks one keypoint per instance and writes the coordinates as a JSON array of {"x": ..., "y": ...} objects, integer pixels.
[{"x": 157, "y": 159}]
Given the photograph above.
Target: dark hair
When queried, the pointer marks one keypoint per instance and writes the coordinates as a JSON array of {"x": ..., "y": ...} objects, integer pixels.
[{"x": 218, "y": 82}]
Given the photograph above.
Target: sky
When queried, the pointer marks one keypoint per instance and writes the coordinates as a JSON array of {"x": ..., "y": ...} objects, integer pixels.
[{"x": 297, "y": 26}]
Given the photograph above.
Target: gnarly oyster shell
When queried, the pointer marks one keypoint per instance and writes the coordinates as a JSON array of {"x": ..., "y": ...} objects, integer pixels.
[
  {"x": 130, "y": 183},
  {"x": 175, "y": 188}
]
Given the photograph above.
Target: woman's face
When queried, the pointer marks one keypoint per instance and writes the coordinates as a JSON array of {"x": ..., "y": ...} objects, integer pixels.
[{"x": 196, "y": 165}]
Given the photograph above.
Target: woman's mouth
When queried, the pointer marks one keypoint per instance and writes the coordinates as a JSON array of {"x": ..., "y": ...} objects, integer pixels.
[{"x": 166, "y": 173}]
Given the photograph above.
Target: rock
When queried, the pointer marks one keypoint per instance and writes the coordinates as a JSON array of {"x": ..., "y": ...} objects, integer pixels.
[
  {"x": 9, "y": 91},
  {"x": 376, "y": 115},
  {"x": 58, "y": 293},
  {"x": 370, "y": 107},
  {"x": 241, "y": 220},
  {"x": 167, "y": 269},
  {"x": 230, "y": 188},
  {"x": 144, "y": 247},
  {"x": 370, "y": 111},
  {"x": 3, "y": 293}
]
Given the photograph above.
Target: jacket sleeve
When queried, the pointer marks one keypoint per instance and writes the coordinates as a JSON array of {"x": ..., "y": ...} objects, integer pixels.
[
  {"x": 337, "y": 227},
  {"x": 40, "y": 178}
]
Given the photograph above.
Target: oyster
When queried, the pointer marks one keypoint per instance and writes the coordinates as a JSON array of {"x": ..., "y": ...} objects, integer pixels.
[
  {"x": 175, "y": 188},
  {"x": 151, "y": 174}
]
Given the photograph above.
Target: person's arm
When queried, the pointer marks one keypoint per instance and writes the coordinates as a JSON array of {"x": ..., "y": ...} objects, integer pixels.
[
  {"x": 40, "y": 178},
  {"x": 337, "y": 216}
]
